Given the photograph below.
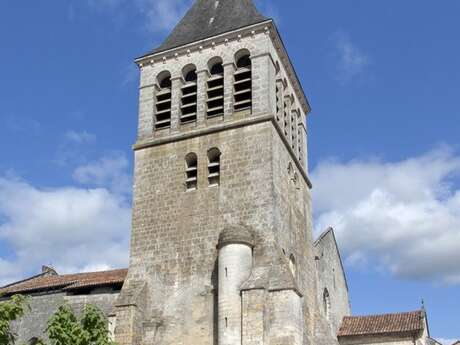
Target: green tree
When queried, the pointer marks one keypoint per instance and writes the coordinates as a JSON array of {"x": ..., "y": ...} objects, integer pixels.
[
  {"x": 64, "y": 328},
  {"x": 10, "y": 311}
]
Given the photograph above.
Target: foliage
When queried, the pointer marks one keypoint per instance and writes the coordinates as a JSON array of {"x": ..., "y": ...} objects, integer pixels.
[
  {"x": 64, "y": 328},
  {"x": 95, "y": 324},
  {"x": 10, "y": 311}
]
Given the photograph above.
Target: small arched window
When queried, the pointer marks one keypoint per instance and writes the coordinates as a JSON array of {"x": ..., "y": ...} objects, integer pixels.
[
  {"x": 242, "y": 93},
  {"x": 189, "y": 95},
  {"x": 191, "y": 164},
  {"x": 163, "y": 101},
  {"x": 214, "y": 167},
  {"x": 293, "y": 265},
  {"x": 215, "y": 88},
  {"x": 300, "y": 134},
  {"x": 327, "y": 303},
  {"x": 279, "y": 99},
  {"x": 293, "y": 129}
]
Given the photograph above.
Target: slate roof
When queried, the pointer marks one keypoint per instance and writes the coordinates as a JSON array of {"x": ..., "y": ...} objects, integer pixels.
[
  {"x": 411, "y": 322},
  {"x": 66, "y": 282},
  {"x": 208, "y": 18}
]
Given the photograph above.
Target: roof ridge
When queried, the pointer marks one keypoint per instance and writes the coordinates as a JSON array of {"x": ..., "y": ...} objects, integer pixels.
[
  {"x": 323, "y": 235},
  {"x": 94, "y": 272},
  {"x": 386, "y": 314},
  {"x": 209, "y": 18},
  {"x": 40, "y": 275}
]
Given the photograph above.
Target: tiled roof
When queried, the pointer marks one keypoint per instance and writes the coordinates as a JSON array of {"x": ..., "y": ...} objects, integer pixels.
[
  {"x": 66, "y": 282},
  {"x": 410, "y": 322}
]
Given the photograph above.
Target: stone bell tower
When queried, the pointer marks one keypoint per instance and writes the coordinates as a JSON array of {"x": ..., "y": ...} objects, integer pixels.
[{"x": 221, "y": 248}]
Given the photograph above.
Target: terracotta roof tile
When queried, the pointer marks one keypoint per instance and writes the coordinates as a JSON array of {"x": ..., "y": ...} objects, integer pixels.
[
  {"x": 410, "y": 322},
  {"x": 66, "y": 282}
]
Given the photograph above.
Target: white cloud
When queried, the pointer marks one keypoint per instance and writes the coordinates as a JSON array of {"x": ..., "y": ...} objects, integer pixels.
[
  {"x": 159, "y": 15},
  {"x": 107, "y": 171},
  {"x": 72, "y": 229},
  {"x": 446, "y": 341},
  {"x": 162, "y": 14},
  {"x": 82, "y": 137},
  {"x": 404, "y": 215},
  {"x": 352, "y": 62}
]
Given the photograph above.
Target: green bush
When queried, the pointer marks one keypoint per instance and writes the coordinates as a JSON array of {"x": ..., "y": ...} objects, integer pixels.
[{"x": 10, "y": 311}]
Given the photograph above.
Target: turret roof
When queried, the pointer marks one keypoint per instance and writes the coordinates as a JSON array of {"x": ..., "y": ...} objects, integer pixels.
[{"x": 208, "y": 18}]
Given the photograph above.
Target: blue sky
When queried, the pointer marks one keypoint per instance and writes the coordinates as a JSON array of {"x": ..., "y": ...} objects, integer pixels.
[{"x": 383, "y": 80}]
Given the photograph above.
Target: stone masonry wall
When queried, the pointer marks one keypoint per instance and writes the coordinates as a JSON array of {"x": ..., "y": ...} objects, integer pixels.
[
  {"x": 253, "y": 305},
  {"x": 382, "y": 340},
  {"x": 331, "y": 277},
  {"x": 284, "y": 318},
  {"x": 42, "y": 307},
  {"x": 175, "y": 232},
  {"x": 293, "y": 226}
]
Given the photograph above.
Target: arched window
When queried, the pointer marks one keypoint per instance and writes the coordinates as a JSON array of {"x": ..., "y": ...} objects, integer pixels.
[
  {"x": 293, "y": 265},
  {"x": 215, "y": 88},
  {"x": 300, "y": 135},
  {"x": 293, "y": 129},
  {"x": 191, "y": 164},
  {"x": 214, "y": 167},
  {"x": 163, "y": 101},
  {"x": 189, "y": 95},
  {"x": 242, "y": 93},
  {"x": 279, "y": 99},
  {"x": 326, "y": 303}
]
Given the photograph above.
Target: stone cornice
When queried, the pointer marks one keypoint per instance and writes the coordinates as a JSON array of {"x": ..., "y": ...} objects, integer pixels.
[{"x": 208, "y": 43}]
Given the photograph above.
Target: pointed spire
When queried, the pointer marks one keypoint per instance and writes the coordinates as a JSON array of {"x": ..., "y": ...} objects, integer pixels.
[{"x": 208, "y": 18}]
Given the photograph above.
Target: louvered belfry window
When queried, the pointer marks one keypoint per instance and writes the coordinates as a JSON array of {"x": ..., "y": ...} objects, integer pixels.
[
  {"x": 214, "y": 167},
  {"x": 163, "y": 102},
  {"x": 242, "y": 92},
  {"x": 215, "y": 90},
  {"x": 189, "y": 96},
  {"x": 191, "y": 172}
]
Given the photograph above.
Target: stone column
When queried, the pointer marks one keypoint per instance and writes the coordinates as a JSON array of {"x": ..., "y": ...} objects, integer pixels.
[
  {"x": 287, "y": 116},
  {"x": 146, "y": 112},
  {"x": 176, "y": 94},
  {"x": 263, "y": 85},
  {"x": 229, "y": 70},
  {"x": 202, "y": 77}
]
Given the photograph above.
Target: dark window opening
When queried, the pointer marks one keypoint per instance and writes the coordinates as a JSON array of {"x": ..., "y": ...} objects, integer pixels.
[
  {"x": 191, "y": 181},
  {"x": 189, "y": 97},
  {"x": 242, "y": 86},
  {"x": 163, "y": 103},
  {"x": 215, "y": 91},
  {"x": 214, "y": 167}
]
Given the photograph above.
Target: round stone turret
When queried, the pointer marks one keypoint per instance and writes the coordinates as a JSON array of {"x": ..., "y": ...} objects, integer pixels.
[{"x": 235, "y": 266}]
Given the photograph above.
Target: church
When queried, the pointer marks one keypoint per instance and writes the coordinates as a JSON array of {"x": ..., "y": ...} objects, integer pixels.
[{"x": 222, "y": 247}]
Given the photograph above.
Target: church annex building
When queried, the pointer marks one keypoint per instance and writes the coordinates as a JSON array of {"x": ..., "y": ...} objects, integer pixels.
[{"x": 222, "y": 249}]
